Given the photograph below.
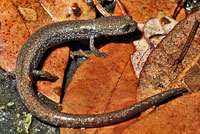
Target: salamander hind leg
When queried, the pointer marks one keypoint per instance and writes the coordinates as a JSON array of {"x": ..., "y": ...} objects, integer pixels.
[
  {"x": 94, "y": 50},
  {"x": 44, "y": 74}
]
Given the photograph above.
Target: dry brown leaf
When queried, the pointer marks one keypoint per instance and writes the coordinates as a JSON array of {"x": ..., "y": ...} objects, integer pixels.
[
  {"x": 144, "y": 46},
  {"x": 36, "y": 17},
  {"x": 159, "y": 72},
  {"x": 32, "y": 14},
  {"x": 56, "y": 62},
  {"x": 179, "y": 116},
  {"x": 156, "y": 26},
  {"x": 107, "y": 81},
  {"x": 143, "y": 10},
  {"x": 81, "y": 104},
  {"x": 102, "y": 85},
  {"x": 14, "y": 33},
  {"x": 189, "y": 78},
  {"x": 61, "y": 10}
]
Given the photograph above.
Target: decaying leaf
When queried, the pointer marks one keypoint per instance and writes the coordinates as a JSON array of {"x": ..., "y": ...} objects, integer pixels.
[
  {"x": 158, "y": 26},
  {"x": 159, "y": 70},
  {"x": 13, "y": 34},
  {"x": 145, "y": 45},
  {"x": 143, "y": 49},
  {"x": 189, "y": 78},
  {"x": 102, "y": 85},
  {"x": 28, "y": 13},
  {"x": 33, "y": 15}
]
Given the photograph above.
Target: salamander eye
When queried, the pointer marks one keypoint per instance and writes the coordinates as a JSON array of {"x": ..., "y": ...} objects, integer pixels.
[{"x": 126, "y": 28}]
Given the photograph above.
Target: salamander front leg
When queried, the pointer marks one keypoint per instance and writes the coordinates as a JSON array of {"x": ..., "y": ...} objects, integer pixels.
[
  {"x": 94, "y": 50},
  {"x": 44, "y": 74}
]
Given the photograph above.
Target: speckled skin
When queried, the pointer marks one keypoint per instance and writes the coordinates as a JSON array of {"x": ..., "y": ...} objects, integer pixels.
[{"x": 52, "y": 34}]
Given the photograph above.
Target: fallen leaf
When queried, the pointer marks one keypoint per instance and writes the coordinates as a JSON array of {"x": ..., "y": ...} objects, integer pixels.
[
  {"x": 145, "y": 45},
  {"x": 154, "y": 26},
  {"x": 189, "y": 78},
  {"x": 36, "y": 17},
  {"x": 20, "y": 19},
  {"x": 57, "y": 61},
  {"x": 99, "y": 83},
  {"x": 159, "y": 72},
  {"x": 179, "y": 116},
  {"x": 143, "y": 10},
  {"x": 88, "y": 93},
  {"x": 33, "y": 15},
  {"x": 102, "y": 85},
  {"x": 61, "y": 10},
  {"x": 28, "y": 13},
  {"x": 13, "y": 34}
]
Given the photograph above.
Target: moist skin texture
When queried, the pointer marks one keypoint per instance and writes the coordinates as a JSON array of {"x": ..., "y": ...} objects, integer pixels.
[{"x": 50, "y": 35}]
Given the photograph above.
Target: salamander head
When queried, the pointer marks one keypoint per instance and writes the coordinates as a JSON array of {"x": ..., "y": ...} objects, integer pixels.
[{"x": 117, "y": 25}]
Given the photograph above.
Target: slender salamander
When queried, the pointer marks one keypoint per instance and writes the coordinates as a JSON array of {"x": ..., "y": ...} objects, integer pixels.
[{"x": 53, "y": 34}]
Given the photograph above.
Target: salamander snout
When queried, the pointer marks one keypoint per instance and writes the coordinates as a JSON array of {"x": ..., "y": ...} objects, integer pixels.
[{"x": 129, "y": 25}]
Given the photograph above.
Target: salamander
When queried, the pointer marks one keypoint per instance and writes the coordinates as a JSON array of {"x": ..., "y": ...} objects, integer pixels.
[{"x": 53, "y": 34}]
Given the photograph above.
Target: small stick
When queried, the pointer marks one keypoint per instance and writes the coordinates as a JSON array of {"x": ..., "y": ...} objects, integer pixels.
[
  {"x": 101, "y": 9},
  {"x": 157, "y": 35},
  {"x": 121, "y": 7},
  {"x": 104, "y": 12},
  {"x": 180, "y": 4}
]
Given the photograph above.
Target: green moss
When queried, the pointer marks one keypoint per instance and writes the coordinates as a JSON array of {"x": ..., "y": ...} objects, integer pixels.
[
  {"x": 27, "y": 121},
  {"x": 19, "y": 130},
  {"x": 18, "y": 115},
  {"x": 10, "y": 104},
  {"x": 2, "y": 107}
]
